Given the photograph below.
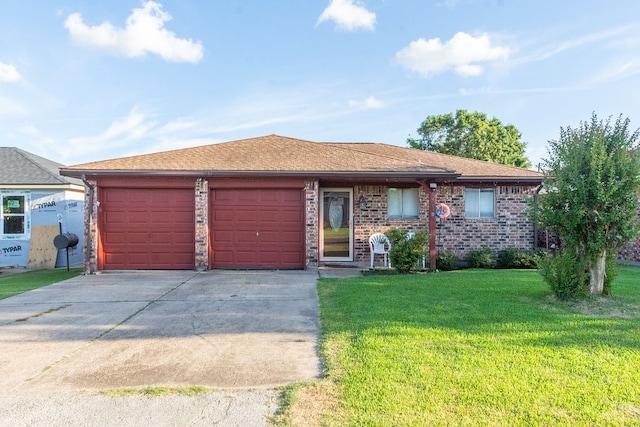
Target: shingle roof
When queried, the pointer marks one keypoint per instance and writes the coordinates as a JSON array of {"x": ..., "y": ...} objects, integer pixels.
[
  {"x": 19, "y": 167},
  {"x": 274, "y": 154}
]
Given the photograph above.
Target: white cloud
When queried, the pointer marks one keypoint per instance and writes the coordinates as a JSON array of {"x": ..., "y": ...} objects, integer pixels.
[
  {"x": 8, "y": 73},
  {"x": 618, "y": 70},
  {"x": 462, "y": 54},
  {"x": 369, "y": 103},
  {"x": 120, "y": 133},
  {"x": 348, "y": 15},
  {"x": 144, "y": 32}
]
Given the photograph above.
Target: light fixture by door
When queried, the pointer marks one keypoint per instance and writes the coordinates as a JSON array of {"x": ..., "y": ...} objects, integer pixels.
[{"x": 363, "y": 202}]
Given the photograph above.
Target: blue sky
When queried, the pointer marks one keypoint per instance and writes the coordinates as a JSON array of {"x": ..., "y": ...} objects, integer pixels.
[{"x": 91, "y": 80}]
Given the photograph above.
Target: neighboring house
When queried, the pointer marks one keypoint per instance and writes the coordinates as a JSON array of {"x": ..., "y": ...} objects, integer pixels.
[
  {"x": 36, "y": 200},
  {"x": 278, "y": 202}
]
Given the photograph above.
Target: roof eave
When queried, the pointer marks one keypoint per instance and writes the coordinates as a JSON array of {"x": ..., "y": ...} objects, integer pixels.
[
  {"x": 79, "y": 173},
  {"x": 501, "y": 179}
]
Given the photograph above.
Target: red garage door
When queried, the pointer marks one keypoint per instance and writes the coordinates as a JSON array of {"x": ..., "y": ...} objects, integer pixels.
[
  {"x": 147, "y": 228},
  {"x": 257, "y": 228}
]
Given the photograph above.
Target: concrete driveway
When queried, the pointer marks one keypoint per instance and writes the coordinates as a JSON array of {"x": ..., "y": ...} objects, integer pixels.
[{"x": 239, "y": 332}]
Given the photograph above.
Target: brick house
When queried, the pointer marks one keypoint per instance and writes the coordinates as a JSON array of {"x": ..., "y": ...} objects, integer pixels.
[{"x": 279, "y": 202}]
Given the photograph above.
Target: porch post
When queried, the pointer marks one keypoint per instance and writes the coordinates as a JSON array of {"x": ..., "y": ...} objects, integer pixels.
[{"x": 432, "y": 225}]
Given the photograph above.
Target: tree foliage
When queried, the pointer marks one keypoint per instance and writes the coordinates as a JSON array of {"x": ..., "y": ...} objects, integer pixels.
[
  {"x": 592, "y": 178},
  {"x": 472, "y": 135}
]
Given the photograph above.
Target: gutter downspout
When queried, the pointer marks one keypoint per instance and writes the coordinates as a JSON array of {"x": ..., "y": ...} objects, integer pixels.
[
  {"x": 535, "y": 225},
  {"x": 87, "y": 232}
]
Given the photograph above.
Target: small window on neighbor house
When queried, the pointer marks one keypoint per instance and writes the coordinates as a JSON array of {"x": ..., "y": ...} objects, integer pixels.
[
  {"x": 402, "y": 203},
  {"x": 479, "y": 203},
  {"x": 15, "y": 216}
]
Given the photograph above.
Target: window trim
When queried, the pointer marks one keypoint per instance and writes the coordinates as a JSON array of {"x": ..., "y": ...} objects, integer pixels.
[
  {"x": 26, "y": 213},
  {"x": 479, "y": 191},
  {"x": 403, "y": 216}
]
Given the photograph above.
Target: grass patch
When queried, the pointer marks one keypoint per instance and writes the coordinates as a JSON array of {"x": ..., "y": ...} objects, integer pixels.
[
  {"x": 191, "y": 391},
  {"x": 479, "y": 347},
  {"x": 17, "y": 283}
]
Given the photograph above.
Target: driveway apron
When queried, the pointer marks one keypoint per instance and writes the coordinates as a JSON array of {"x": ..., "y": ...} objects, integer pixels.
[{"x": 237, "y": 330}]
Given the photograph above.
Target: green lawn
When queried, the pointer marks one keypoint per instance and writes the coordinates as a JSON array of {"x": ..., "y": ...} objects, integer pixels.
[
  {"x": 475, "y": 347},
  {"x": 17, "y": 283}
]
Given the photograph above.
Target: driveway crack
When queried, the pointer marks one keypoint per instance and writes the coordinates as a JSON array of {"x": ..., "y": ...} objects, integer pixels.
[{"x": 107, "y": 331}]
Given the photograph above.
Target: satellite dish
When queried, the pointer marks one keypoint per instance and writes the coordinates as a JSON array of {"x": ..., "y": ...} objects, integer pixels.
[{"x": 442, "y": 211}]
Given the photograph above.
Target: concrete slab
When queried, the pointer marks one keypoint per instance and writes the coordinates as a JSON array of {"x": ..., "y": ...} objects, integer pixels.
[{"x": 221, "y": 329}]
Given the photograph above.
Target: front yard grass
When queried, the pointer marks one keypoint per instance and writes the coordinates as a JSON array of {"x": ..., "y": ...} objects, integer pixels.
[
  {"x": 473, "y": 347},
  {"x": 17, "y": 283}
]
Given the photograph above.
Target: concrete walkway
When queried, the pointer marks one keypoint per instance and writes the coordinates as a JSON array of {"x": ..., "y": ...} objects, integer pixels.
[{"x": 243, "y": 333}]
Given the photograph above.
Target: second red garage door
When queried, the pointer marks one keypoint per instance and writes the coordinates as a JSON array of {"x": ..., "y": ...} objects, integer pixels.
[{"x": 257, "y": 228}]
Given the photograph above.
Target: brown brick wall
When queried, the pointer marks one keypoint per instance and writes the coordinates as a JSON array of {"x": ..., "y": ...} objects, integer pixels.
[
  {"x": 373, "y": 218},
  {"x": 510, "y": 228}
]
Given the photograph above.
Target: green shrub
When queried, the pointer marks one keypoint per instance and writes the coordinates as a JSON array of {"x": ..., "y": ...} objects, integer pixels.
[
  {"x": 566, "y": 275},
  {"x": 481, "y": 258},
  {"x": 406, "y": 252},
  {"x": 446, "y": 261},
  {"x": 519, "y": 258}
]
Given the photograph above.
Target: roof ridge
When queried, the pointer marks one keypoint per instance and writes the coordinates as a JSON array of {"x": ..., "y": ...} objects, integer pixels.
[
  {"x": 383, "y": 155},
  {"x": 29, "y": 157},
  {"x": 477, "y": 160}
]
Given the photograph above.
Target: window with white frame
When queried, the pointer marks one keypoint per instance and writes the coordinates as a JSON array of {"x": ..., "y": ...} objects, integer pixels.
[
  {"x": 479, "y": 203},
  {"x": 402, "y": 203},
  {"x": 15, "y": 216}
]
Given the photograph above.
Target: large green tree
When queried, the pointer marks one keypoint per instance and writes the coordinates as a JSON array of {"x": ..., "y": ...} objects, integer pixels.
[
  {"x": 472, "y": 135},
  {"x": 592, "y": 178}
]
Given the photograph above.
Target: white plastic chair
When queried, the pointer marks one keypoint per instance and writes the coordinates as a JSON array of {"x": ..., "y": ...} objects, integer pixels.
[{"x": 379, "y": 244}]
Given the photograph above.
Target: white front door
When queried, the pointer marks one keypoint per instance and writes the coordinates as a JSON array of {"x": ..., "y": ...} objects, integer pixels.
[{"x": 336, "y": 224}]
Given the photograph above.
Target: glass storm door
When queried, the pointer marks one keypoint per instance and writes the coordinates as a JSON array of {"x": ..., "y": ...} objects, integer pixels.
[{"x": 336, "y": 231}]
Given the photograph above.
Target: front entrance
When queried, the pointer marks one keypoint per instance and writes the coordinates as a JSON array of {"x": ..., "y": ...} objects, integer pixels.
[{"x": 336, "y": 219}]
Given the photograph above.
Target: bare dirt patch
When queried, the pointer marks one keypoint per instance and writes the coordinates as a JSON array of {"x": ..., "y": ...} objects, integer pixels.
[{"x": 310, "y": 404}]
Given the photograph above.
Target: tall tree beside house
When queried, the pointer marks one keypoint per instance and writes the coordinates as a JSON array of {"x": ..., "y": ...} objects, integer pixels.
[
  {"x": 472, "y": 135},
  {"x": 592, "y": 177}
]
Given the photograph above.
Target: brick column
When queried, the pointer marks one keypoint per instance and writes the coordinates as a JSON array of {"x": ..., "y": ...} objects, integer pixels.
[
  {"x": 202, "y": 224},
  {"x": 91, "y": 207},
  {"x": 312, "y": 213}
]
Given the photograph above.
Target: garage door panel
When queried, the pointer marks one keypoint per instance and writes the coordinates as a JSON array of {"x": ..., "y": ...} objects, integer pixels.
[
  {"x": 259, "y": 226},
  {"x": 248, "y": 237},
  {"x": 290, "y": 237},
  {"x": 147, "y": 228},
  {"x": 133, "y": 238},
  {"x": 222, "y": 236}
]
